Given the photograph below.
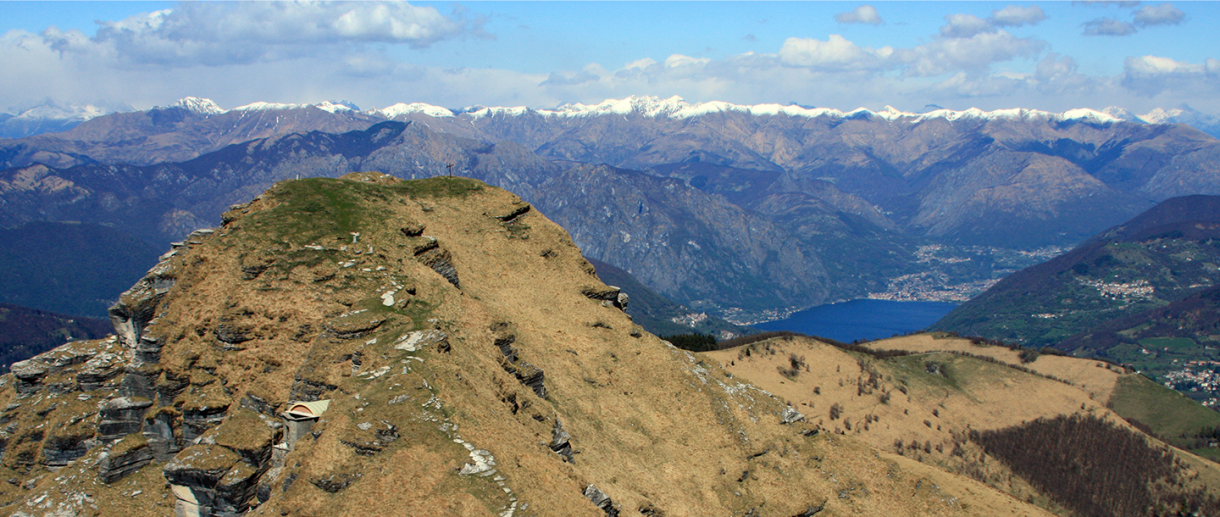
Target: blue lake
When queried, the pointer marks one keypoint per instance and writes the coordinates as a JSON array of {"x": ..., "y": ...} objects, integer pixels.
[{"x": 862, "y": 319}]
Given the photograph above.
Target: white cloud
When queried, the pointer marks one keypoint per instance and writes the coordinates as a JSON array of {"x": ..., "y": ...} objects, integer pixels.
[
  {"x": 1146, "y": 65},
  {"x": 221, "y": 33},
  {"x": 862, "y": 14},
  {"x": 1108, "y": 27},
  {"x": 1016, "y": 16},
  {"x": 1058, "y": 75},
  {"x": 964, "y": 26},
  {"x": 679, "y": 60},
  {"x": 156, "y": 58},
  {"x": 1163, "y": 14},
  {"x": 836, "y": 53},
  {"x": 1153, "y": 75},
  {"x": 945, "y": 55}
]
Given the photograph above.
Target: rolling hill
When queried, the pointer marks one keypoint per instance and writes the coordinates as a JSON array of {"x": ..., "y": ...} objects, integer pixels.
[
  {"x": 983, "y": 413},
  {"x": 443, "y": 348}
]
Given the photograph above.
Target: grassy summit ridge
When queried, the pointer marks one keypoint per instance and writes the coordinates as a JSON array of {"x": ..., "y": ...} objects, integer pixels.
[{"x": 474, "y": 365}]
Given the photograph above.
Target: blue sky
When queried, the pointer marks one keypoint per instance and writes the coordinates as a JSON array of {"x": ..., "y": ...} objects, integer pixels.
[{"x": 1043, "y": 55}]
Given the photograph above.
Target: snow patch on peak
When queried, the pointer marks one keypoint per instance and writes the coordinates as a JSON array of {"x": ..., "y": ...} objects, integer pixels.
[
  {"x": 1122, "y": 114},
  {"x": 1160, "y": 116},
  {"x": 1184, "y": 114},
  {"x": 1089, "y": 116},
  {"x": 327, "y": 106},
  {"x": 484, "y": 111},
  {"x": 332, "y": 107},
  {"x": 198, "y": 105},
  {"x": 676, "y": 107},
  {"x": 403, "y": 108},
  {"x": 645, "y": 105},
  {"x": 269, "y": 106},
  {"x": 51, "y": 110}
]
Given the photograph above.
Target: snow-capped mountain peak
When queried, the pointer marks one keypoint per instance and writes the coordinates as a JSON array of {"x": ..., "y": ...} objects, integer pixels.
[
  {"x": 332, "y": 107},
  {"x": 198, "y": 105},
  {"x": 403, "y": 108},
  {"x": 51, "y": 110},
  {"x": 677, "y": 108},
  {"x": 327, "y": 106},
  {"x": 269, "y": 106}
]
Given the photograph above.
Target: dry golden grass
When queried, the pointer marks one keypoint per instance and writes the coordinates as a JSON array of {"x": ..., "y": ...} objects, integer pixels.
[
  {"x": 1093, "y": 377},
  {"x": 921, "y": 406},
  {"x": 653, "y": 426}
]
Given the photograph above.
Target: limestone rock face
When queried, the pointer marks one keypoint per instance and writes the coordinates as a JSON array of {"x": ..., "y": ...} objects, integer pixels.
[{"x": 445, "y": 397}]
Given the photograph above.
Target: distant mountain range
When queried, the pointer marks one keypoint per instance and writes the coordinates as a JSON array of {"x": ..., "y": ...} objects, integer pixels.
[
  {"x": 53, "y": 117},
  {"x": 48, "y": 117},
  {"x": 740, "y": 211}
]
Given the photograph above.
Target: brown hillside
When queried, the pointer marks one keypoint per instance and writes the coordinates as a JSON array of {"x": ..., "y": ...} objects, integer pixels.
[
  {"x": 467, "y": 350},
  {"x": 926, "y": 405}
]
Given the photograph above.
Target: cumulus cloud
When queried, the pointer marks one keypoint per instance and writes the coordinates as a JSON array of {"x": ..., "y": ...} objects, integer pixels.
[
  {"x": 1164, "y": 14},
  {"x": 1057, "y": 75},
  {"x": 946, "y": 55},
  {"x": 836, "y": 53},
  {"x": 1016, "y": 16},
  {"x": 964, "y": 26},
  {"x": 1107, "y": 3},
  {"x": 1153, "y": 75},
  {"x": 863, "y": 14},
  {"x": 205, "y": 50},
  {"x": 1153, "y": 65},
  {"x": 679, "y": 60},
  {"x": 219, "y": 33},
  {"x": 581, "y": 77},
  {"x": 1108, "y": 27}
]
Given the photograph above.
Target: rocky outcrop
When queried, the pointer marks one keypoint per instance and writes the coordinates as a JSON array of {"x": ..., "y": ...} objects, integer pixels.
[
  {"x": 99, "y": 370},
  {"x": 354, "y": 324},
  {"x": 420, "y": 339},
  {"x": 791, "y": 416},
  {"x": 440, "y": 261},
  {"x": 509, "y": 212},
  {"x": 194, "y": 475},
  {"x": 529, "y": 375},
  {"x": 122, "y": 416},
  {"x": 137, "y": 306},
  {"x": 123, "y": 458},
  {"x": 561, "y": 442},
  {"x": 601, "y": 500},
  {"x": 67, "y": 444},
  {"x": 610, "y": 296},
  {"x": 51, "y": 370}
]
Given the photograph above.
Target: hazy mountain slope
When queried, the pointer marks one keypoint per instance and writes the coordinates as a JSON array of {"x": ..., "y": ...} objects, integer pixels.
[
  {"x": 657, "y": 314},
  {"x": 906, "y": 166},
  {"x": 170, "y": 134},
  {"x": 838, "y": 205},
  {"x": 1173, "y": 344},
  {"x": 464, "y": 345},
  {"x": 695, "y": 248},
  {"x": 26, "y": 332},
  {"x": 1050, "y": 178},
  {"x": 1157, "y": 257},
  {"x": 70, "y": 268}
]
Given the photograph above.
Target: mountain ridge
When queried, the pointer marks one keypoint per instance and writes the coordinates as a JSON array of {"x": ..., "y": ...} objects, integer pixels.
[
  {"x": 846, "y": 228},
  {"x": 472, "y": 365},
  {"x": 54, "y": 117}
]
